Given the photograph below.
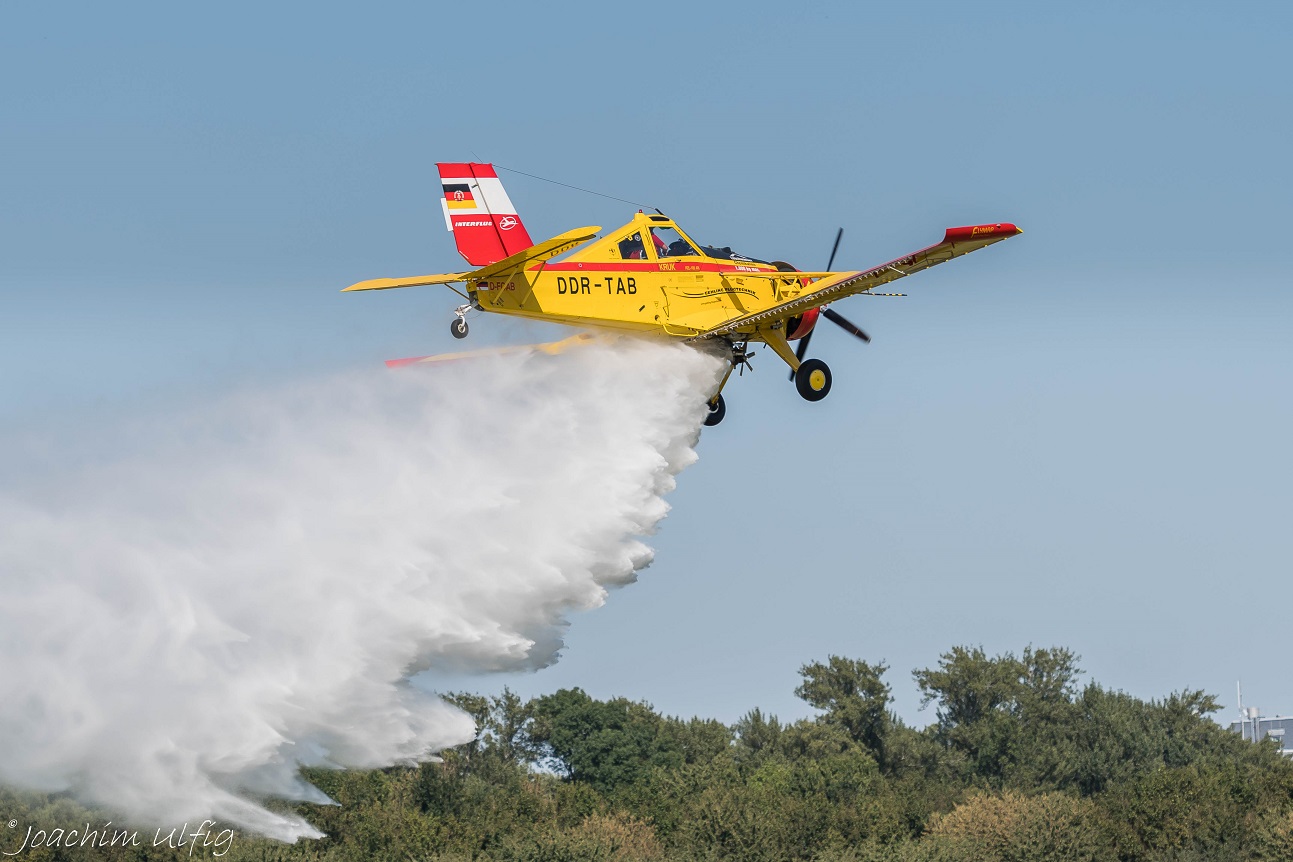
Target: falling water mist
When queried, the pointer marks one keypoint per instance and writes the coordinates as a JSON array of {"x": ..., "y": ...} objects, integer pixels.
[{"x": 250, "y": 587}]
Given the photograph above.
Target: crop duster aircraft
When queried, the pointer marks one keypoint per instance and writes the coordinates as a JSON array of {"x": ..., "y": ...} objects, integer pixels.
[{"x": 650, "y": 277}]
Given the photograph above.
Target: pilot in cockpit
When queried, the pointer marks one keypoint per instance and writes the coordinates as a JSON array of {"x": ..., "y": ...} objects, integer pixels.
[
  {"x": 667, "y": 242},
  {"x": 631, "y": 248},
  {"x": 670, "y": 243}
]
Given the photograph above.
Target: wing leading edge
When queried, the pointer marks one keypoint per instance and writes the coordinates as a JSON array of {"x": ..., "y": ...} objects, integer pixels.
[{"x": 956, "y": 242}]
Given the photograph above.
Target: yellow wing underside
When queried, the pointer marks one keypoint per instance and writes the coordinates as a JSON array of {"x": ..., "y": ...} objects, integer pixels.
[{"x": 833, "y": 286}]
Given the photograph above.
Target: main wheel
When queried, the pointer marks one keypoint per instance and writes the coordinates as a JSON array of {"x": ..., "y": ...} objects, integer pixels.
[
  {"x": 717, "y": 410},
  {"x": 813, "y": 379},
  {"x": 458, "y": 327}
]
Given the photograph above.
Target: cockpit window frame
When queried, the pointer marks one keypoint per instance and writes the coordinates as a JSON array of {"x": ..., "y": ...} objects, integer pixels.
[
  {"x": 624, "y": 237},
  {"x": 696, "y": 252},
  {"x": 650, "y": 255}
]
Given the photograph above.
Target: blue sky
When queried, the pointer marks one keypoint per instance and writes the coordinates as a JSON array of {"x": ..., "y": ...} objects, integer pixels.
[{"x": 1075, "y": 438}]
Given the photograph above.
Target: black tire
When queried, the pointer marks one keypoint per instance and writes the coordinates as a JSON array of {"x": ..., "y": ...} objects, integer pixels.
[
  {"x": 717, "y": 410},
  {"x": 458, "y": 327},
  {"x": 813, "y": 380}
]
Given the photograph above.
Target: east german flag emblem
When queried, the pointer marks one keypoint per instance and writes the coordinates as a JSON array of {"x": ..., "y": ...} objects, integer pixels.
[{"x": 458, "y": 196}]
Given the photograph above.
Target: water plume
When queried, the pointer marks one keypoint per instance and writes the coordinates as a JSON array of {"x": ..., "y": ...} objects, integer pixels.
[{"x": 250, "y": 586}]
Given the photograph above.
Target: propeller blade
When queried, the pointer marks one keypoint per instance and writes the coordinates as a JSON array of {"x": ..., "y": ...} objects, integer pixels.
[
  {"x": 803, "y": 342},
  {"x": 834, "y": 249},
  {"x": 843, "y": 323}
]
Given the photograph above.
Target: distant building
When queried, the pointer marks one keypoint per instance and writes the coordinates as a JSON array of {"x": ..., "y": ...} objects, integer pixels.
[{"x": 1278, "y": 728}]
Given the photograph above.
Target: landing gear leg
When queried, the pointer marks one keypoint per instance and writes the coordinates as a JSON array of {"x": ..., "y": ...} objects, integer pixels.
[
  {"x": 717, "y": 406},
  {"x": 458, "y": 328},
  {"x": 812, "y": 376}
]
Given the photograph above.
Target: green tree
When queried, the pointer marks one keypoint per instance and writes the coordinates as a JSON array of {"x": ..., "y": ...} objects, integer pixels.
[
  {"x": 991, "y": 711},
  {"x": 757, "y": 736},
  {"x": 1051, "y": 827},
  {"x": 502, "y": 727},
  {"x": 854, "y": 697},
  {"x": 603, "y": 743},
  {"x": 699, "y": 740}
]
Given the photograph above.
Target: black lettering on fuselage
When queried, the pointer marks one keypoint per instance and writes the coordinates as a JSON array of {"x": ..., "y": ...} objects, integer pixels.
[{"x": 573, "y": 285}]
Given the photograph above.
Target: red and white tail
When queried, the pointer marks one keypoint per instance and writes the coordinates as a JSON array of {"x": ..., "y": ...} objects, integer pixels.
[{"x": 479, "y": 213}]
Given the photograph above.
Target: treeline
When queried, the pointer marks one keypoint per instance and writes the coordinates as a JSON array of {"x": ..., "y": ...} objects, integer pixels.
[{"x": 1023, "y": 763}]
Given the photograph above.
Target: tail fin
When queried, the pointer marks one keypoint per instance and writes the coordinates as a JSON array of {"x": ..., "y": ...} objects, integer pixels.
[{"x": 484, "y": 222}]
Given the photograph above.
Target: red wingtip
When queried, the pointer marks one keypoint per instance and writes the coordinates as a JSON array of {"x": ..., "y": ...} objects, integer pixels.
[{"x": 1001, "y": 230}]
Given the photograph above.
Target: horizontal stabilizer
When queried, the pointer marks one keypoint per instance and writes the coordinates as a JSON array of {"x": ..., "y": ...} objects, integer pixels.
[
  {"x": 414, "y": 281},
  {"x": 545, "y": 250}
]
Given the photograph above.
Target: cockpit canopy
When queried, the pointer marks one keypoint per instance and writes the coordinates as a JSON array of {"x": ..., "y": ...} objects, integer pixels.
[
  {"x": 726, "y": 253},
  {"x": 664, "y": 241},
  {"x": 670, "y": 243}
]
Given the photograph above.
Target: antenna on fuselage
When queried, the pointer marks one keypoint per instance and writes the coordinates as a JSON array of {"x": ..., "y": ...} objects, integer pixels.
[{"x": 577, "y": 188}]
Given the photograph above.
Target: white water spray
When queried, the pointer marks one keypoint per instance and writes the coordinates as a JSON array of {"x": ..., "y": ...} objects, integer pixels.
[{"x": 181, "y": 629}]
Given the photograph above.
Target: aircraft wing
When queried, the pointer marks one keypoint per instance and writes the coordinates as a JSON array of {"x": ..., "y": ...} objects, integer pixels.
[
  {"x": 539, "y": 252},
  {"x": 956, "y": 242}
]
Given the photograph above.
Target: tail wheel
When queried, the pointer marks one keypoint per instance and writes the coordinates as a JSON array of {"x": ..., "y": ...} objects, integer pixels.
[
  {"x": 813, "y": 379},
  {"x": 717, "y": 410},
  {"x": 458, "y": 327}
]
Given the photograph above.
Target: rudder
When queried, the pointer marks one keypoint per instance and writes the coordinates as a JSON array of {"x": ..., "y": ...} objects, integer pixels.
[{"x": 478, "y": 211}]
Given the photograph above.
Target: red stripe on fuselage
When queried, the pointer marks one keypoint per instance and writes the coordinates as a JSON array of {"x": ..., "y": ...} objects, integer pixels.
[{"x": 650, "y": 266}]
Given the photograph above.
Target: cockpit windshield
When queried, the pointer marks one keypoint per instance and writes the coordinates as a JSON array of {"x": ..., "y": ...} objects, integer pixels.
[
  {"x": 670, "y": 243},
  {"x": 726, "y": 253}
]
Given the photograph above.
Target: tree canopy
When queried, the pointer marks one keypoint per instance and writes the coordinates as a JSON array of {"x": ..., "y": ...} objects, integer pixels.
[{"x": 1023, "y": 761}]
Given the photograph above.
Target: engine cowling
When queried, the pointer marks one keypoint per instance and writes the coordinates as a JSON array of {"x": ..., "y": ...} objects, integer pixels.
[{"x": 799, "y": 326}]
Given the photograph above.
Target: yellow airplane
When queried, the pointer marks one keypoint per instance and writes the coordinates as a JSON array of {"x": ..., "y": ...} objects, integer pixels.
[{"x": 651, "y": 278}]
